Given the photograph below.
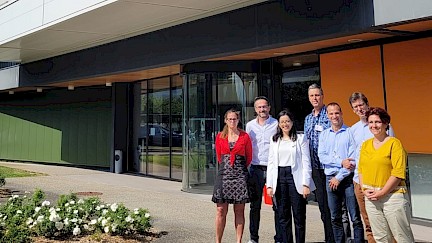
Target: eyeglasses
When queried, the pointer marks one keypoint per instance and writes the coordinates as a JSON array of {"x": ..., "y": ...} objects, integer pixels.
[
  {"x": 232, "y": 119},
  {"x": 359, "y": 106}
]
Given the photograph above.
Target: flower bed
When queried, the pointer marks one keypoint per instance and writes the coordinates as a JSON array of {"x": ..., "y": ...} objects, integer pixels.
[{"x": 23, "y": 217}]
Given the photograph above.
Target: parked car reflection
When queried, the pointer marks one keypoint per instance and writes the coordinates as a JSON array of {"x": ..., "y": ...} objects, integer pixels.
[{"x": 159, "y": 136}]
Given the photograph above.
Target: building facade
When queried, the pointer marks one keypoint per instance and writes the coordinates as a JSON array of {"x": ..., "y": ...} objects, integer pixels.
[{"x": 80, "y": 80}]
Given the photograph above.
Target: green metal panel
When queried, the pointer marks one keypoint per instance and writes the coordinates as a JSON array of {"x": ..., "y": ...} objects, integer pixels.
[{"x": 58, "y": 127}]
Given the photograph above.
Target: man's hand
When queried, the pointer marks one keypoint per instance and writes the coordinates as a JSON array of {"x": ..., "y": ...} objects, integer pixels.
[
  {"x": 348, "y": 164},
  {"x": 306, "y": 191},
  {"x": 270, "y": 191},
  {"x": 334, "y": 183}
]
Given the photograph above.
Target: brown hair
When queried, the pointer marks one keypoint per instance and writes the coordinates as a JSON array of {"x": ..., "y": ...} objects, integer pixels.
[
  {"x": 224, "y": 132},
  {"x": 358, "y": 96},
  {"x": 383, "y": 115}
]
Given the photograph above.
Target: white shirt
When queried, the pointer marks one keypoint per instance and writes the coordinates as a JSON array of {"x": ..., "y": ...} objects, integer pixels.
[
  {"x": 260, "y": 137},
  {"x": 287, "y": 150}
]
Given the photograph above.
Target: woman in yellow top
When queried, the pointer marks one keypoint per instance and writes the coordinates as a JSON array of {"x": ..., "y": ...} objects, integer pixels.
[{"x": 382, "y": 176}]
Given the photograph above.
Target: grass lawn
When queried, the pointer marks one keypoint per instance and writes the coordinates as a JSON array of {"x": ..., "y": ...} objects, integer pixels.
[{"x": 7, "y": 172}]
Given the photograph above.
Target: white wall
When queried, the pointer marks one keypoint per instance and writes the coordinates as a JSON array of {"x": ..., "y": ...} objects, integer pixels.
[
  {"x": 390, "y": 11},
  {"x": 9, "y": 78},
  {"x": 26, "y": 16}
]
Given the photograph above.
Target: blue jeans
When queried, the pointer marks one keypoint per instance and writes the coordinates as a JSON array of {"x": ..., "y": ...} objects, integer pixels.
[
  {"x": 257, "y": 179},
  {"x": 345, "y": 191}
]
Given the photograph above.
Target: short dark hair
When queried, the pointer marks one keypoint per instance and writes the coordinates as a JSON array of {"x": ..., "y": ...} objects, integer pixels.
[
  {"x": 262, "y": 98},
  {"x": 358, "y": 96},
  {"x": 334, "y": 104},
  {"x": 383, "y": 115}
]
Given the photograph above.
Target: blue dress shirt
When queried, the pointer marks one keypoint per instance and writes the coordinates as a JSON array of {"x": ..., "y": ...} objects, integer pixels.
[{"x": 333, "y": 148}]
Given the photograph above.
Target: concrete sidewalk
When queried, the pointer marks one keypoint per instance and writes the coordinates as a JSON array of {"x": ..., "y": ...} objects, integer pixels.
[{"x": 185, "y": 217}]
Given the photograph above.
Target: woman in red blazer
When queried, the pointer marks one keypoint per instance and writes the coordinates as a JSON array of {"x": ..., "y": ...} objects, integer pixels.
[{"x": 234, "y": 154}]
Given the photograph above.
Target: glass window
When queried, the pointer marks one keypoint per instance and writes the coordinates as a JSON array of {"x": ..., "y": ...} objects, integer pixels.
[
  {"x": 294, "y": 93},
  {"x": 420, "y": 179}
]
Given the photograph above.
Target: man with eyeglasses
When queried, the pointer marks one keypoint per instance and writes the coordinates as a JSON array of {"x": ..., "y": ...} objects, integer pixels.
[
  {"x": 361, "y": 133},
  {"x": 260, "y": 130}
]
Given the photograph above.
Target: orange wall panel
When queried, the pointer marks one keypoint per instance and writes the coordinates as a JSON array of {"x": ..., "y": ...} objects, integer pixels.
[
  {"x": 345, "y": 72},
  {"x": 408, "y": 72}
]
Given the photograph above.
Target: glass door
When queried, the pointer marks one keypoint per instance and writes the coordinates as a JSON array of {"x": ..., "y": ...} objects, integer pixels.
[{"x": 207, "y": 96}]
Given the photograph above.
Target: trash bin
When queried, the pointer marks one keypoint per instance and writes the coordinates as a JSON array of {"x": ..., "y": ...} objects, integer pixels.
[{"x": 118, "y": 161}]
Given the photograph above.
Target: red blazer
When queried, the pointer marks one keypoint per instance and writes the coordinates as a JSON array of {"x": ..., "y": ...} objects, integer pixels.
[{"x": 243, "y": 147}]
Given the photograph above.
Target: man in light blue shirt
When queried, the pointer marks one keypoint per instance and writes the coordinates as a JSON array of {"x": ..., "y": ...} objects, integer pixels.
[
  {"x": 336, "y": 147},
  {"x": 260, "y": 130},
  {"x": 360, "y": 132}
]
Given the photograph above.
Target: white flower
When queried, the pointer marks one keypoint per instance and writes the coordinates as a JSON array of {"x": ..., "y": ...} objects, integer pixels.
[
  {"x": 46, "y": 203},
  {"x": 40, "y": 218},
  {"x": 54, "y": 217},
  {"x": 29, "y": 221},
  {"x": 74, "y": 220},
  {"x": 5, "y": 217},
  {"x": 59, "y": 225},
  {"x": 72, "y": 202},
  {"x": 76, "y": 231},
  {"x": 80, "y": 201},
  {"x": 15, "y": 196},
  {"x": 75, "y": 211},
  {"x": 52, "y": 209},
  {"x": 147, "y": 215},
  {"x": 114, "y": 227},
  {"x": 129, "y": 219},
  {"x": 19, "y": 211},
  {"x": 66, "y": 221},
  {"x": 37, "y": 209},
  {"x": 104, "y": 221},
  {"x": 136, "y": 211},
  {"x": 97, "y": 208},
  {"x": 93, "y": 221},
  {"x": 86, "y": 227},
  {"x": 106, "y": 229},
  {"x": 67, "y": 205},
  {"x": 114, "y": 207},
  {"x": 57, "y": 209},
  {"x": 27, "y": 192},
  {"x": 104, "y": 212},
  {"x": 68, "y": 209}
]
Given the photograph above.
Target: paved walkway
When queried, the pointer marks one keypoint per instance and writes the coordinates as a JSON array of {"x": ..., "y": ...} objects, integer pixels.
[{"x": 185, "y": 217}]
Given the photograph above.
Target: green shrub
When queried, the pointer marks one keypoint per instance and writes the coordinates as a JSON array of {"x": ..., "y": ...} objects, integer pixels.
[{"x": 22, "y": 217}]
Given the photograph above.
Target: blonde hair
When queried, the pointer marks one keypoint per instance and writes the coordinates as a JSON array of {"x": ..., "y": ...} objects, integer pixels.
[{"x": 224, "y": 132}]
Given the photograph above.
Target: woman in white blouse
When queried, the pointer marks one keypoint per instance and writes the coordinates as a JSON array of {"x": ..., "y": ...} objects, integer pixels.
[{"x": 289, "y": 179}]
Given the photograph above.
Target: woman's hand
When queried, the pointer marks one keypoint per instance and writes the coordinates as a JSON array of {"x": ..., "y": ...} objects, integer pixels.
[
  {"x": 270, "y": 191},
  {"x": 373, "y": 195},
  {"x": 306, "y": 191}
]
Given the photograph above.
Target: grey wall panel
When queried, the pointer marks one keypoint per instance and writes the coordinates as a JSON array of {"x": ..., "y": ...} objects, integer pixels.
[{"x": 262, "y": 26}]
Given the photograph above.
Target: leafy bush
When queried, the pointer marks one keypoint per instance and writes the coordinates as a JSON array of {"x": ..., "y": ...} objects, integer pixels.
[{"x": 22, "y": 217}]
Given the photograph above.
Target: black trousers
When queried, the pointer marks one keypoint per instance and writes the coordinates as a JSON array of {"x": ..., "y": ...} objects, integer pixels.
[
  {"x": 290, "y": 204},
  {"x": 320, "y": 181}
]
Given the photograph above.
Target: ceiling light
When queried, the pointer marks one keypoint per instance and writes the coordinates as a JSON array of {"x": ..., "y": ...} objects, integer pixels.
[
  {"x": 11, "y": 92},
  {"x": 297, "y": 64},
  {"x": 39, "y": 90},
  {"x": 71, "y": 87},
  {"x": 108, "y": 84}
]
